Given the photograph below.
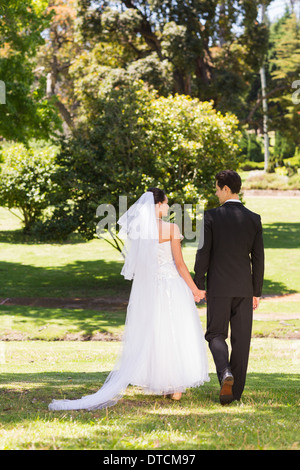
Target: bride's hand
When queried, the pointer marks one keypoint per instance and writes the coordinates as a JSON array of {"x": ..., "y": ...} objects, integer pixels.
[{"x": 199, "y": 295}]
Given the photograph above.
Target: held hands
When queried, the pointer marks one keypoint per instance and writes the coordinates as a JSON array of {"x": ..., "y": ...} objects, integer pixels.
[{"x": 199, "y": 295}]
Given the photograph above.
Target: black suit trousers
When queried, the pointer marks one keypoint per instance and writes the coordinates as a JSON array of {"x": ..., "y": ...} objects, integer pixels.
[{"x": 236, "y": 312}]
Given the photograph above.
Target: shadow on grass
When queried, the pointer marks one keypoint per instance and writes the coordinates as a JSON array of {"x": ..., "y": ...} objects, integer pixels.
[
  {"x": 73, "y": 385},
  {"x": 81, "y": 278},
  {"x": 197, "y": 421},
  {"x": 101, "y": 277},
  {"x": 20, "y": 237},
  {"x": 276, "y": 287},
  {"x": 72, "y": 320},
  {"x": 276, "y": 235},
  {"x": 281, "y": 235},
  {"x": 84, "y": 279}
]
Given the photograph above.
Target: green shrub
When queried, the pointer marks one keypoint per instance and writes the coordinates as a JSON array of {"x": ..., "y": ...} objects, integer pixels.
[
  {"x": 130, "y": 140},
  {"x": 25, "y": 180},
  {"x": 265, "y": 181},
  {"x": 248, "y": 166},
  {"x": 251, "y": 147},
  {"x": 294, "y": 182}
]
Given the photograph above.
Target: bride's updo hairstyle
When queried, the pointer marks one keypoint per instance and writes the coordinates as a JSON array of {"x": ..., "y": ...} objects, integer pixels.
[{"x": 159, "y": 195}]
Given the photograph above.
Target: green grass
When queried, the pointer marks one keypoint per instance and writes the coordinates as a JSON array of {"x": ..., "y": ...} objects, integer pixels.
[
  {"x": 57, "y": 324},
  {"x": 32, "y": 373},
  {"x": 281, "y": 224},
  {"x": 72, "y": 269},
  {"x": 79, "y": 269},
  {"x": 20, "y": 322},
  {"x": 43, "y": 364}
]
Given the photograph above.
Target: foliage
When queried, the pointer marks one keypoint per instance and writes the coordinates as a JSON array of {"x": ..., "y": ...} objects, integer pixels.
[
  {"x": 251, "y": 147},
  {"x": 283, "y": 148},
  {"x": 130, "y": 139},
  {"x": 289, "y": 180},
  {"x": 26, "y": 179},
  {"x": 191, "y": 48},
  {"x": 247, "y": 165},
  {"x": 284, "y": 69},
  {"x": 190, "y": 142},
  {"x": 27, "y": 112},
  {"x": 56, "y": 55}
]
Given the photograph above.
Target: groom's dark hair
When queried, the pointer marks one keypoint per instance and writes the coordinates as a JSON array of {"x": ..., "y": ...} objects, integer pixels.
[{"x": 229, "y": 178}]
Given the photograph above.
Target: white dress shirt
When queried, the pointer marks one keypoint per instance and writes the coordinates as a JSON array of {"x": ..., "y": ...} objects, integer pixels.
[{"x": 233, "y": 200}]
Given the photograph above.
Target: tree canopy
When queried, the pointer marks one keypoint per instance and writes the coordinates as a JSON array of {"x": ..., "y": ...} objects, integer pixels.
[{"x": 140, "y": 92}]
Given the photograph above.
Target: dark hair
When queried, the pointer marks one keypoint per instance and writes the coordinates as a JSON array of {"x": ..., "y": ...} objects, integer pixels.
[
  {"x": 229, "y": 178},
  {"x": 159, "y": 195}
]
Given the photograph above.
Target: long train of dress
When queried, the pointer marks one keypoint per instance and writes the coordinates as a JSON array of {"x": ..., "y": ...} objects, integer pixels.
[{"x": 163, "y": 354}]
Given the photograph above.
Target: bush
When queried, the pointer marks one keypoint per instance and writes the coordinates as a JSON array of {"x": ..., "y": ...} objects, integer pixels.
[
  {"x": 265, "y": 181},
  {"x": 283, "y": 148},
  {"x": 26, "y": 180},
  {"x": 248, "y": 166},
  {"x": 251, "y": 147},
  {"x": 129, "y": 139},
  {"x": 294, "y": 182}
]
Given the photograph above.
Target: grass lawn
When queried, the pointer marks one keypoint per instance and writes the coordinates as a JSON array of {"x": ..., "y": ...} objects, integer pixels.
[
  {"x": 38, "y": 361},
  {"x": 32, "y": 373},
  {"x": 78, "y": 269},
  {"x": 19, "y": 322}
]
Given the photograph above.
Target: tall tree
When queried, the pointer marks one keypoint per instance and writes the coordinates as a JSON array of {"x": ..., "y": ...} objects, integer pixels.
[
  {"x": 199, "y": 47},
  {"x": 284, "y": 70},
  {"x": 56, "y": 56},
  {"x": 27, "y": 112}
]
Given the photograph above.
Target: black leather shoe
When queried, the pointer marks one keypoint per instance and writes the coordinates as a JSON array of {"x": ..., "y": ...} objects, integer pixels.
[{"x": 227, "y": 381}]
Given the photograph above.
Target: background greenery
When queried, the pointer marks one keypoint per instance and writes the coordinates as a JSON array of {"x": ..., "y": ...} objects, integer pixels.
[{"x": 139, "y": 94}]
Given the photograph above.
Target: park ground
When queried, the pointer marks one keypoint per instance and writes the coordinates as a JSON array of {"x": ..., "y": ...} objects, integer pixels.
[{"x": 62, "y": 310}]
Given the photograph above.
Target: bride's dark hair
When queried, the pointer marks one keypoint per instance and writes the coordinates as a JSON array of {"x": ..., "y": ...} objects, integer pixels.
[{"x": 159, "y": 195}]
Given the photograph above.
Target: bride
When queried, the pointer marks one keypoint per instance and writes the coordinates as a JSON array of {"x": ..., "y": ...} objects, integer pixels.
[{"x": 163, "y": 349}]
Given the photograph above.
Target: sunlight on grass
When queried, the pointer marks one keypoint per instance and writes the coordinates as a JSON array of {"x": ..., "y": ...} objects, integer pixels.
[
  {"x": 35, "y": 372},
  {"x": 36, "y": 369}
]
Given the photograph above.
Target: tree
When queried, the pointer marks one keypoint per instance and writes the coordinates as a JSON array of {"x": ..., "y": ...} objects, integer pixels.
[
  {"x": 27, "y": 112},
  {"x": 131, "y": 139},
  {"x": 284, "y": 70},
  {"x": 193, "y": 47},
  {"x": 56, "y": 56}
]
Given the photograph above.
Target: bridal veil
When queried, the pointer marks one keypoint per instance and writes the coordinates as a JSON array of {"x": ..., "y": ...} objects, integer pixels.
[{"x": 139, "y": 228}]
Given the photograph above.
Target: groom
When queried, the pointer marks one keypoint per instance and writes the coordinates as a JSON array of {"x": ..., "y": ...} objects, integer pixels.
[{"x": 232, "y": 256}]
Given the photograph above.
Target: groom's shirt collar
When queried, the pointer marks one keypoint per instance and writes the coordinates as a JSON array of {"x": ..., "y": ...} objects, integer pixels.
[{"x": 232, "y": 200}]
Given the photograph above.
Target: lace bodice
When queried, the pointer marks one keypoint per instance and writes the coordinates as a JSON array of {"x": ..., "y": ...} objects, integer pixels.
[{"x": 166, "y": 264}]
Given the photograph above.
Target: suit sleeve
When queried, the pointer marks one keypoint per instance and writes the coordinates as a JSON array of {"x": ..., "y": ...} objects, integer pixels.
[
  {"x": 203, "y": 254},
  {"x": 258, "y": 261}
]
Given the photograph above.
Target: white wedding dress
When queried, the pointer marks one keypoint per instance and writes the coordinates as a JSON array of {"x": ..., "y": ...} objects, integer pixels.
[
  {"x": 163, "y": 348},
  {"x": 174, "y": 357}
]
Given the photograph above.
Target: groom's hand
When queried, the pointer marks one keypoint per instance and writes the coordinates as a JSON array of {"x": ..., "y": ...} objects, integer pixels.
[{"x": 255, "y": 302}]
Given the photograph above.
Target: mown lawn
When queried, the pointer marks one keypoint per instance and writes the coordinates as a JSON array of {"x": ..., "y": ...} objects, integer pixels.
[
  {"x": 38, "y": 361},
  {"x": 78, "y": 269},
  {"x": 32, "y": 373}
]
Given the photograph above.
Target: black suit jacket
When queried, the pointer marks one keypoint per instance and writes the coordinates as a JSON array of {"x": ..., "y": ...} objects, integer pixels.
[{"x": 232, "y": 255}]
